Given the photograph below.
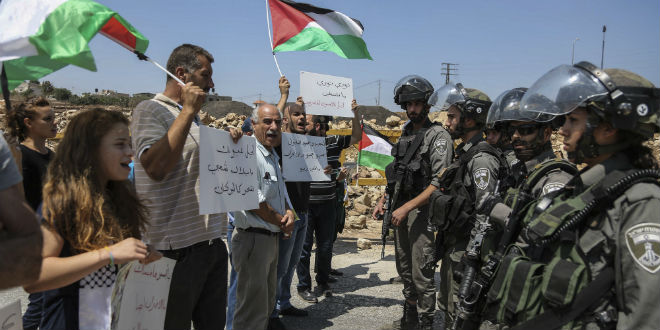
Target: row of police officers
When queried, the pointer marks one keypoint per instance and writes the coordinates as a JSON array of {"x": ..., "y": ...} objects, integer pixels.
[{"x": 526, "y": 238}]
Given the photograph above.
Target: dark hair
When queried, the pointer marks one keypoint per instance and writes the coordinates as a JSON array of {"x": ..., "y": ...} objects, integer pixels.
[
  {"x": 186, "y": 56},
  {"x": 16, "y": 117},
  {"x": 640, "y": 155},
  {"x": 84, "y": 213}
]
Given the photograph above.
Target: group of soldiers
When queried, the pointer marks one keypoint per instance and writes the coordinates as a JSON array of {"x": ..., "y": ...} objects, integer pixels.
[{"x": 526, "y": 238}]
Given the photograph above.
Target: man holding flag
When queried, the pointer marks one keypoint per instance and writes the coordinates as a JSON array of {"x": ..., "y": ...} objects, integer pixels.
[{"x": 423, "y": 150}]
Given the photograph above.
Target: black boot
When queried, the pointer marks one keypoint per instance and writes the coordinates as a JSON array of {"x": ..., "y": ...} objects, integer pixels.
[{"x": 409, "y": 320}]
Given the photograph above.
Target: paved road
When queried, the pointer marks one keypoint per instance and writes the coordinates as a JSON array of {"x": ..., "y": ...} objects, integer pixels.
[{"x": 362, "y": 299}]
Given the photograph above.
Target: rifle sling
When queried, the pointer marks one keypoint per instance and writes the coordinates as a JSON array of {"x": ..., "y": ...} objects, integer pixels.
[{"x": 555, "y": 318}]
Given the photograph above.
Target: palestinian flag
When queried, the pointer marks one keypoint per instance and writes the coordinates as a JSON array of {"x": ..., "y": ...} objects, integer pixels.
[
  {"x": 375, "y": 149},
  {"x": 301, "y": 26},
  {"x": 39, "y": 37}
]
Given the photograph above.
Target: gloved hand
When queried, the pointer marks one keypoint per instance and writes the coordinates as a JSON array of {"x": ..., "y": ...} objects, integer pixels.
[{"x": 487, "y": 203}]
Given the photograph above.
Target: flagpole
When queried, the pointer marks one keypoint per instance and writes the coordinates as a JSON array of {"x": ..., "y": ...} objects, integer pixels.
[
  {"x": 270, "y": 37},
  {"x": 357, "y": 166},
  {"x": 144, "y": 57}
]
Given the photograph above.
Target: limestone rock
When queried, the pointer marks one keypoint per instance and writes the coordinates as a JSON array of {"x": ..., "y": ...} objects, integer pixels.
[
  {"x": 361, "y": 208},
  {"x": 363, "y": 244},
  {"x": 392, "y": 121}
]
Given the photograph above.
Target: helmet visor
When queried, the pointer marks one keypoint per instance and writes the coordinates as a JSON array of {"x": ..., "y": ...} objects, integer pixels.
[
  {"x": 445, "y": 97},
  {"x": 561, "y": 90}
]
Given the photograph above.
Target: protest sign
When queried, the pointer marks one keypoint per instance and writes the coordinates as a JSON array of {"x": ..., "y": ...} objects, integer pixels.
[
  {"x": 10, "y": 316},
  {"x": 326, "y": 95},
  {"x": 227, "y": 172},
  {"x": 139, "y": 297},
  {"x": 303, "y": 158}
]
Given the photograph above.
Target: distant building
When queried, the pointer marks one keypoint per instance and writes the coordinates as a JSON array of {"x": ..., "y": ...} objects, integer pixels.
[
  {"x": 108, "y": 92},
  {"x": 24, "y": 86},
  {"x": 216, "y": 97}
]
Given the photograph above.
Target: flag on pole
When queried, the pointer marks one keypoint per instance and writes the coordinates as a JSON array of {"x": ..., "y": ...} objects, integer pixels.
[
  {"x": 39, "y": 37},
  {"x": 375, "y": 149},
  {"x": 301, "y": 26}
]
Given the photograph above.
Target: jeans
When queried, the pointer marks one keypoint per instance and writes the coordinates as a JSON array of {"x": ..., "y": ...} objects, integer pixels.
[
  {"x": 198, "y": 291},
  {"x": 289, "y": 255},
  {"x": 231, "y": 291},
  {"x": 320, "y": 223}
]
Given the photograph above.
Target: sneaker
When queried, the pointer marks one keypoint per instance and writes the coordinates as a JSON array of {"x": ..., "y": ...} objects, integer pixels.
[
  {"x": 325, "y": 290},
  {"x": 292, "y": 311},
  {"x": 307, "y": 295},
  {"x": 397, "y": 279},
  {"x": 336, "y": 272},
  {"x": 274, "y": 323}
]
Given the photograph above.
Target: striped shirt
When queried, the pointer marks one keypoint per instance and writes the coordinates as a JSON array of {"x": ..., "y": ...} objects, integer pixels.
[
  {"x": 326, "y": 190},
  {"x": 173, "y": 202}
]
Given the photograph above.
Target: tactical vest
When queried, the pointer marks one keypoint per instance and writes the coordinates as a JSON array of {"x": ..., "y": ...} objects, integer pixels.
[
  {"x": 452, "y": 205},
  {"x": 551, "y": 271},
  {"x": 414, "y": 176}
]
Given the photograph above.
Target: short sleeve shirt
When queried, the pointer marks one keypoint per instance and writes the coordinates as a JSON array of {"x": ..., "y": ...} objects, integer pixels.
[
  {"x": 271, "y": 189},
  {"x": 173, "y": 202},
  {"x": 9, "y": 174}
]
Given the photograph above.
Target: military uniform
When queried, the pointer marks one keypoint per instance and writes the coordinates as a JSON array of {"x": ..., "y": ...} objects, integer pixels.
[
  {"x": 480, "y": 177},
  {"x": 414, "y": 242},
  {"x": 624, "y": 237},
  {"x": 554, "y": 180}
]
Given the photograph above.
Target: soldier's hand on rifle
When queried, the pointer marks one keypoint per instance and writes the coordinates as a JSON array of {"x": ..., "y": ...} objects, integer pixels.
[
  {"x": 379, "y": 210},
  {"x": 399, "y": 215}
]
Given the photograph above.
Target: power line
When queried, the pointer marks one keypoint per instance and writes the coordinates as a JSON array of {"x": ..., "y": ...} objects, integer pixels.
[{"x": 447, "y": 71}]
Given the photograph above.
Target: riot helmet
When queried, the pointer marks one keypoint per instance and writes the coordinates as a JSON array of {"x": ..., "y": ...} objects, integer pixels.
[
  {"x": 625, "y": 100},
  {"x": 412, "y": 88},
  {"x": 472, "y": 103}
]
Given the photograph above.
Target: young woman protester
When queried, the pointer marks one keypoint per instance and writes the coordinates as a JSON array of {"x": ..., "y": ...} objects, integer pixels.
[
  {"x": 31, "y": 123},
  {"x": 91, "y": 223}
]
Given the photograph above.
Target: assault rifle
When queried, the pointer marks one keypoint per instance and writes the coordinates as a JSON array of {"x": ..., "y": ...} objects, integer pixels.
[{"x": 390, "y": 204}]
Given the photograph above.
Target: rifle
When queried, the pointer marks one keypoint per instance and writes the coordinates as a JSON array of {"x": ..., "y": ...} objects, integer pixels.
[{"x": 390, "y": 204}]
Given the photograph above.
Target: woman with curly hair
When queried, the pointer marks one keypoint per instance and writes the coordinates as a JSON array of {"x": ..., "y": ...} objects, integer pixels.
[{"x": 92, "y": 222}]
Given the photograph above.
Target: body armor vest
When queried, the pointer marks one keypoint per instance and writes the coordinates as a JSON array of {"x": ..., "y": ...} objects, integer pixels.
[
  {"x": 414, "y": 176},
  {"x": 549, "y": 270}
]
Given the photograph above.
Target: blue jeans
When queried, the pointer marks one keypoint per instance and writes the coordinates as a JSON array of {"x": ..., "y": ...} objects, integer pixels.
[
  {"x": 320, "y": 223},
  {"x": 231, "y": 292},
  {"x": 289, "y": 255}
]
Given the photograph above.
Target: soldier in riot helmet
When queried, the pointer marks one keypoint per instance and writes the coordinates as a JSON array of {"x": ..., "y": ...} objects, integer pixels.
[
  {"x": 590, "y": 252},
  {"x": 497, "y": 133},
  {"x": 476, "y": 170},
  {"x": 423, "y": 150}
]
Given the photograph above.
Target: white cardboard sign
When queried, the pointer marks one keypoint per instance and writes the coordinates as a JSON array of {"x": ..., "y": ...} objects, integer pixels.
[
  {"x": 326, "y": 95},
  {"x": 303, "y": 158},
  {"x": 227, "y": 172},
  {"x": 139, "y": 297},
  {"x": 11, "y": 317}
]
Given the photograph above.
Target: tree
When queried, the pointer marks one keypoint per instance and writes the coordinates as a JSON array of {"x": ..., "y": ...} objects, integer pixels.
[
  {"x": 62, "y": 94},
  {"x": 47, "y": 88}
]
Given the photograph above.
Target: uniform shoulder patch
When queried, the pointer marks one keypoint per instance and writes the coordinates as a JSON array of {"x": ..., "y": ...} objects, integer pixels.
[
  {"x": 643, "y": 242},
  {"x": 552, "y": 186},
  {"x": 441, "y": 146},
  {"x": 481, "y": 178}
]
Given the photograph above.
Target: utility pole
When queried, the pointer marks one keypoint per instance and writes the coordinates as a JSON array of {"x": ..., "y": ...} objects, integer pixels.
[
  {"x": 447, "y": 71},
  {"x": 378, "y": 102},
  {"x": 602, "y": 54},
  {"x": 573, "y": 51}
]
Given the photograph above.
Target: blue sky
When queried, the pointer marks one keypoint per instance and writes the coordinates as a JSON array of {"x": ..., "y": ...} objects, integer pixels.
[{"x": 498, "y": 44}]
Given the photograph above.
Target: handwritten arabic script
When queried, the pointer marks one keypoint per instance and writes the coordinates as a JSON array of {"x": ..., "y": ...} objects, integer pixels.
[
  {"x": 227, "y": 172},
  {"x": 304, "y": 157},
  {"x": 139, "y": 298},
  {"x": 326, "y": 95}
]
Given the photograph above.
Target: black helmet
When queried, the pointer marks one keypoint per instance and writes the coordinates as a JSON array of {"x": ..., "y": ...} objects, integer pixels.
[
  {"x": 411, "y": 88},
  {"x": 626, "y": 100}
]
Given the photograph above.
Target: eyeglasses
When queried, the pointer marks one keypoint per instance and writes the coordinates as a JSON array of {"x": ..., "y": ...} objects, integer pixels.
[{"x": 526, "y": 129}]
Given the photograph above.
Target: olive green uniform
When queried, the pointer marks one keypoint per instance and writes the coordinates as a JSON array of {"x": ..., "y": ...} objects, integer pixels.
[
  {"x": 480, "y": 178},
  {"x": 414, "y": 242},
  {"x": 625, "y": 237}
]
